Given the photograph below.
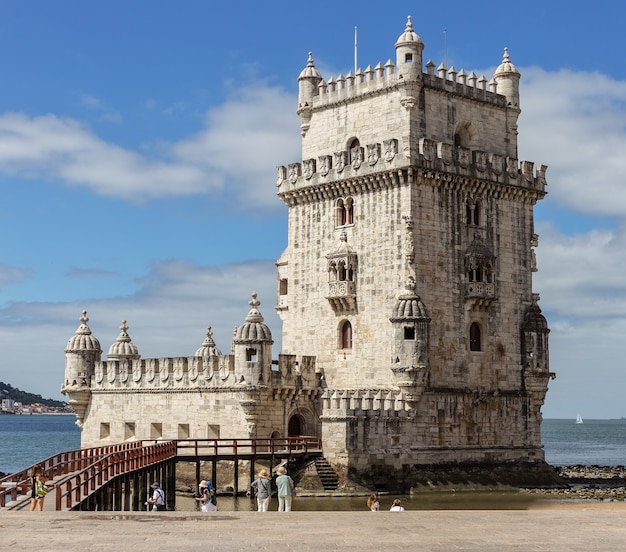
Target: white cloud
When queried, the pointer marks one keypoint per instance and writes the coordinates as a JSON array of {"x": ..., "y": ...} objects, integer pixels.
[
  {"x": 12, "y": 274},
  {"x": 241, "y": 143},
  {"x": 576, "y": 124},
  {"x": 167, "y": 317}
]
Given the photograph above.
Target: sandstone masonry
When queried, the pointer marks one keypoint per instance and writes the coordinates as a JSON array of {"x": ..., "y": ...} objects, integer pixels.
[{"x": 411, "y": 332}]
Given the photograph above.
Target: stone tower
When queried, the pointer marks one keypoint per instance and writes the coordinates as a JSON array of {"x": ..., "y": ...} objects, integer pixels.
[{"x": 408, "y": 270}]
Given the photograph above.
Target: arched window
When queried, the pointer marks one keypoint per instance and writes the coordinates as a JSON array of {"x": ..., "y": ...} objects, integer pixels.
[
  {"x": 474, "y": 337},
  {"x": 345, "y": 212},
  {"x": 346, "y": 335},
  {"x": 477, "y": 209}
]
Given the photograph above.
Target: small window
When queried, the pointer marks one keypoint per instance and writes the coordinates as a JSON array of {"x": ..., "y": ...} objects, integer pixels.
[
  {"x": 183, "y": 431},
  {"x": 474, "y": 337},
  {"x": 408, "y": 58},
  {"x": 283, "y": 286},
  {"x": 105, "y": 430},
  {"x": 409, "y": 333},
  {"x": 129, "y": 431},
  {"x": 346, "y": 335},
  {"x": 156, "y": 431},
  {"x": 213, "y": 431},
  {"x": 251, "y": 355}
]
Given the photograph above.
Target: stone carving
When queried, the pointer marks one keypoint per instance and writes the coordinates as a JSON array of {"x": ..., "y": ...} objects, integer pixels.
[
  {"x": 308, "y": 168},
  {"x": 391, "y": 148},
  {"x": 294, "y": 172},
  {"x": 408, "y": 102},
  {"x": 373, "y": 154},
  {"x": 325, "y": 164},
  {"x": 281, "y": 174},
  {"x": 340, "y": 161},
  {"x": 356, "y": 154}
]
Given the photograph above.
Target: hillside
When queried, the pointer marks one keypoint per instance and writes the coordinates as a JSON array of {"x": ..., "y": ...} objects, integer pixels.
[{"x": 7, "y": 391}]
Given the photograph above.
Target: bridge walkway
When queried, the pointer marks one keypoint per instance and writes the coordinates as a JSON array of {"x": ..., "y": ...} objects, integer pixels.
[{"x": 118, "y": 477}]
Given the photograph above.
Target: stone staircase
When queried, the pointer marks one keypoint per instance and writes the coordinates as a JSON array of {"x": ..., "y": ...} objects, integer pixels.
[{"x": 327, "y": 475}]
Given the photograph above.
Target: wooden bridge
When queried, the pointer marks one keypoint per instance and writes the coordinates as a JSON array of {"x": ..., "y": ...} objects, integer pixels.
[{"x": 118, "y": 477}]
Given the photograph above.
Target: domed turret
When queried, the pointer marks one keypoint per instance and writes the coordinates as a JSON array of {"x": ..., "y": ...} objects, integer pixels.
[
  {"x": 208, "y": 347},
  {"x": 123, "y": 348},
  {"x": 252, "y": 347},
  {"x": 254, "y": 330},
  {"x": 409, "y": 47},
  {"x": 83, "y": 340},
  {"x": 308, "y": 82},
  {"x": 507, "y": 80},
  {"x": 81, "y": 354}
]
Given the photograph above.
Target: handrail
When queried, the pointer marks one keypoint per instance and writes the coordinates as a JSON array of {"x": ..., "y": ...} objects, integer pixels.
[
  {"x": 80, "y": 472},
  {"x": 76, "y": 487},
  {"x": 61, "y": 463}
]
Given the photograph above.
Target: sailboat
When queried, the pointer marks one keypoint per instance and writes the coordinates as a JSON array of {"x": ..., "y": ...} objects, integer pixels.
[{"x": 579, "y": 419}]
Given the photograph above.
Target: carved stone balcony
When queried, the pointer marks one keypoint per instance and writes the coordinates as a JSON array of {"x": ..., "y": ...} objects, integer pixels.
[
  {"x": 342, "y": 295},
  {"x": 480, "y": 290}
]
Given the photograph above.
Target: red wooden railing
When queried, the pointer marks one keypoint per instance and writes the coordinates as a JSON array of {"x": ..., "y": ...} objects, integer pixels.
[
  {"x": 78, "y": 473},
  {"x": 60, "y": 464}
]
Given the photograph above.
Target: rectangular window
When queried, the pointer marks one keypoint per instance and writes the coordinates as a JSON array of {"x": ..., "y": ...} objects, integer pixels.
[
  {"x": 213, "y": 431},
  {"x": 129, "y": 431},
  {"x": 183, "y": 431},
  {"x": 283, "y": 286},
  {"x": 105, "y": 430},
  {"x": 156, "y": 431},
  {"x": 409, "y": 333},
  {"x": 408, "y": 58},
  {"x": 251, "y": 355}
]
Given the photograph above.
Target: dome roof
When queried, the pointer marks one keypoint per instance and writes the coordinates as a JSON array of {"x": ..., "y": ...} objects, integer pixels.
[
  {"x": 409, "y": 305},
  {"x": 534, "y": 321},
  {"x": 409, "y": 36},
  {"x": 123, "y": 346},
  {"x": 254, "y": 330},
  {"x": 478, "y": 248},
  {"x": 208, "y": 347},
  {"x": 310, "y": 71},
  {"x": 82, "y": 340},
  {"x": 342, "y": 249},
  {"x": 506, "y": 67}
]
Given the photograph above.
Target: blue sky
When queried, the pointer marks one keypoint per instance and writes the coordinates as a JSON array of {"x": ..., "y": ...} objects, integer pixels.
[{"x": 138, "y": 145}]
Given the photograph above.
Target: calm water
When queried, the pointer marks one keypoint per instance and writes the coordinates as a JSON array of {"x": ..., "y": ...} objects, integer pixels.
[{"x": 26, "y": 440}]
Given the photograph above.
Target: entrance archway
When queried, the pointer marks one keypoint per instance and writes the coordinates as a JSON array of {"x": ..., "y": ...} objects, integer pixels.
[{"x": 294, "y": 428}]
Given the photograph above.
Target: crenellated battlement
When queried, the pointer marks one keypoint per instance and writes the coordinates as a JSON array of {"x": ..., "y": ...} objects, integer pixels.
[
  {"x": 437, "y": 156},
  {"x": 364, "y": 402},
  {"x": 382, "y": 78},
  {"x": 216, "y": 372}
]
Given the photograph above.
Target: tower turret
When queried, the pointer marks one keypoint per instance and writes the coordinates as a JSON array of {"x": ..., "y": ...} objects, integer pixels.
[
  {"x": 308, "y": 83},
  {"x": 409, "y": 47},
  {"x": 252, "y": 346},
  {"x": 123, "y": 348},
  {"x": 507, "y": 80},
  {"x": 208, "y": 347},
  {"x": 81, "y": 354}
]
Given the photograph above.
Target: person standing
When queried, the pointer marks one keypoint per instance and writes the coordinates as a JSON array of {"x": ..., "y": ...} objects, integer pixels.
[
  {"x": 262, "y": 486},
  {"x": 158, "y": 497},
  {"x": 206, "y": 493},
  {"x": 286, "y": 489},
  {"x": 39, "y": 490}
]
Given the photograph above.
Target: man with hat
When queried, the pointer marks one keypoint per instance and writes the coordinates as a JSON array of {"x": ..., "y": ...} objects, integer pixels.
[{"x": 158, "y": 497}]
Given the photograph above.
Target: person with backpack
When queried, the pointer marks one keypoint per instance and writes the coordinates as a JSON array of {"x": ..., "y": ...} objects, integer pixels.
[
  {"x": 262, "y": 487},
  {"x": 206, "y": 495},
  {"x": 158, "y": 497}
]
